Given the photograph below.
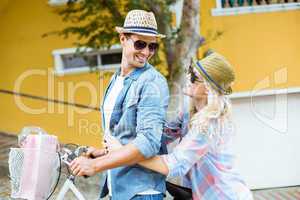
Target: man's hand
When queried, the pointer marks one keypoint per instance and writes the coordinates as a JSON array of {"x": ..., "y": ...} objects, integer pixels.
[
  {"x": 83, "y": 166},
  {"x": 92, "y": 152}
]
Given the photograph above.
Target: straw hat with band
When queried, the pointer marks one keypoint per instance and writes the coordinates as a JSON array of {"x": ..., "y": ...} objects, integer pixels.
[
  {"x": 217, "y": 71},
  {"x": 140, "y": 22}
]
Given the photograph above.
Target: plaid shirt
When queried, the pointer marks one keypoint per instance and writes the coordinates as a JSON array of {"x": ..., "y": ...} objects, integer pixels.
[{"x": 205, "y": 162}]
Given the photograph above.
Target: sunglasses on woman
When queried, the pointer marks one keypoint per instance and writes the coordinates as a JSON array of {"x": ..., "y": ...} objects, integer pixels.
[
  {"x": 193, "y": 77},
  {"x": 140, "y": 45}
]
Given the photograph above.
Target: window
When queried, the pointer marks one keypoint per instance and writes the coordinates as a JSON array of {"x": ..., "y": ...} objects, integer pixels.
[
  {"x": 176, "y": 9},
  {"x": 74, "y": 61},
  {"x": 234, "y": 7},
  {"x": 69, "y": 61},
  {"x": 57, "y": 2},
  {"x": 61, "y": 2}
]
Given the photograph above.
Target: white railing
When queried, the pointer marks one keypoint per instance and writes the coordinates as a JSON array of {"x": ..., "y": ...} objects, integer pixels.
[{"x": 234, "y": 7}]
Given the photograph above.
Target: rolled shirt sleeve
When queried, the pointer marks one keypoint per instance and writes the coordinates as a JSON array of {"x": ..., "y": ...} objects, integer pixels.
[{"x": 151, "y": 111}]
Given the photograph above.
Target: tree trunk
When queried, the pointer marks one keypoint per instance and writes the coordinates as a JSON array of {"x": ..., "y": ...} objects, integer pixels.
[{"x": 186, "y": 46}]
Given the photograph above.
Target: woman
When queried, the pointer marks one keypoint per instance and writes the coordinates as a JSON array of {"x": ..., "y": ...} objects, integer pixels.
[{"x": 204, "y": 157}]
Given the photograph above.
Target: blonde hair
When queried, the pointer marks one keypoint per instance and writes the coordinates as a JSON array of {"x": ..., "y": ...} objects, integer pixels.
[
  {"x": 218, "y": 108},
  {"x": 218, "y": 76}
]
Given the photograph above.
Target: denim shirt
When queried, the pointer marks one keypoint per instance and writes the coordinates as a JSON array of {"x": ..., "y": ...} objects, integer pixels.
[{"x": 138, "y": 118}]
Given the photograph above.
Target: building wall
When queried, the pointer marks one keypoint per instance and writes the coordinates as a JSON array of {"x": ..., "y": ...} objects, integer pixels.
[
  {"x": 26, "y": 62},
  {"x": 257, "y": 44},
  {"x": 267, "y": 136}
]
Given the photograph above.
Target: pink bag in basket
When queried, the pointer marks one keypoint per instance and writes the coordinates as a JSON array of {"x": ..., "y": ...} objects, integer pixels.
[{"x": 39, "y": 165}]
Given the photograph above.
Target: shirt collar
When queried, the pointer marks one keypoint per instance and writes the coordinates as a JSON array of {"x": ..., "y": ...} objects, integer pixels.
[{"x": 136, "y": 72}]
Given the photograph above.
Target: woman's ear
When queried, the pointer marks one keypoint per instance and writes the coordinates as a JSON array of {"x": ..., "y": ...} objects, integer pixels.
[{"x": 206, "y": 91}]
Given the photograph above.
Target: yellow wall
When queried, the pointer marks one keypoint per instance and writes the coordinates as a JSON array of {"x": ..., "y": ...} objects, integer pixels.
[
  {"x": 22, "y": 50},
  {"x": 258, "y": 45}
]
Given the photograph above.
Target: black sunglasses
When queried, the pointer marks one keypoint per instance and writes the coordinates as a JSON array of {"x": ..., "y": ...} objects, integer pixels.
[{"x": 140, "y": 45}]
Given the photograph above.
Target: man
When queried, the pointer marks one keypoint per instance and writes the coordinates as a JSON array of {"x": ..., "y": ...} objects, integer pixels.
[{"x": 133, "y": 111}]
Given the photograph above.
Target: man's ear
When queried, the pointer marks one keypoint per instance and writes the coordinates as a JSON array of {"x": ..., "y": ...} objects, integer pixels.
[{"x": 122, "y": 38}]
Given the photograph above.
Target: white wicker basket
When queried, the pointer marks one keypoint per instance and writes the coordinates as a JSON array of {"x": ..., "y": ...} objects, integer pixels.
[{"x": 33, "y": 168}]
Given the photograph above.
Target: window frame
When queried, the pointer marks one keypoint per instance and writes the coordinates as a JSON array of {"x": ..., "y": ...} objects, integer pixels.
[
  {"x": 61, "y": 2},
  {"x": 219, "y": 11},
  {"x": 60, "y": 70}
]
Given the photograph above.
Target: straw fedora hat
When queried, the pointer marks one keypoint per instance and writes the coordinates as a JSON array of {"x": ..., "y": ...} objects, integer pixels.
[
  {"x": 217, "y": 71},
  {"x": 140, "y": 22}
]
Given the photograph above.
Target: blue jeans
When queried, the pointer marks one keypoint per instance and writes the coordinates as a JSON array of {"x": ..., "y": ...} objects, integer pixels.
[{"x": 148, "y": 197}]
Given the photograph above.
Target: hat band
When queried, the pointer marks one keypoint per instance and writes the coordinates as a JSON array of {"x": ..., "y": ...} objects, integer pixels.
[
  {"x": 139, "y": 29},
  {"x": 209, "y": 78}
]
